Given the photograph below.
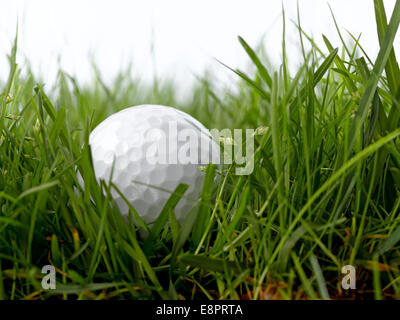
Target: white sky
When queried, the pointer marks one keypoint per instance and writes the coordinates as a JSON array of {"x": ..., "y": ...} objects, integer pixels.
[{"x": 187, "y": 34}]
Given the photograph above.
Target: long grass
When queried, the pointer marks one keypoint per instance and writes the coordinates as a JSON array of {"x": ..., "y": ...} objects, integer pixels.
[{"x": 324, "y": 192}]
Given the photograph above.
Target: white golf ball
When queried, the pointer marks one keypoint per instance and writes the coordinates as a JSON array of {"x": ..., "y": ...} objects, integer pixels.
[{"x": 147, "y": 151}]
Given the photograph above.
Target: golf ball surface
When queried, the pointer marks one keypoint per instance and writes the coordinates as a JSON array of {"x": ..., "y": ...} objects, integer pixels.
[{"x": 147, "y": 151}]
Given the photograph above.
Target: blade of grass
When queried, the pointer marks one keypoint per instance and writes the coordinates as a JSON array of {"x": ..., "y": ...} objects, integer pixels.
[{"x": 209, "y": 264}]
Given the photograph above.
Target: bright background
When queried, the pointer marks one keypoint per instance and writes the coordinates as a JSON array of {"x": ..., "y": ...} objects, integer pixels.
[{"x": 184, "y": 35}]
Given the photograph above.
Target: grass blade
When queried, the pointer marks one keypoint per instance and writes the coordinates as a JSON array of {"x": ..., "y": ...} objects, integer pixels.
[
  {"x": 209, "y": 264},
  {"x": 260, "y": 67}
]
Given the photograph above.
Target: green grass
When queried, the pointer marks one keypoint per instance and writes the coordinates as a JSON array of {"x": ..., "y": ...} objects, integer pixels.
[{"x": 325, "y": 191}]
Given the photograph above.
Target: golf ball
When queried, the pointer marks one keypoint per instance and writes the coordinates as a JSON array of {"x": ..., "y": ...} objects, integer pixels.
[{"x": 147, "y": 151}]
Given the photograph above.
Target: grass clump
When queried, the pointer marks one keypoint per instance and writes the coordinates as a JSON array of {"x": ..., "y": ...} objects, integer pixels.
[{"x": 324, "y": 192}]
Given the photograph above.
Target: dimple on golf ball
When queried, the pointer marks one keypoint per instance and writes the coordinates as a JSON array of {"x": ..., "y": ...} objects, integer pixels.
[{"x": 147, "y": 151}]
